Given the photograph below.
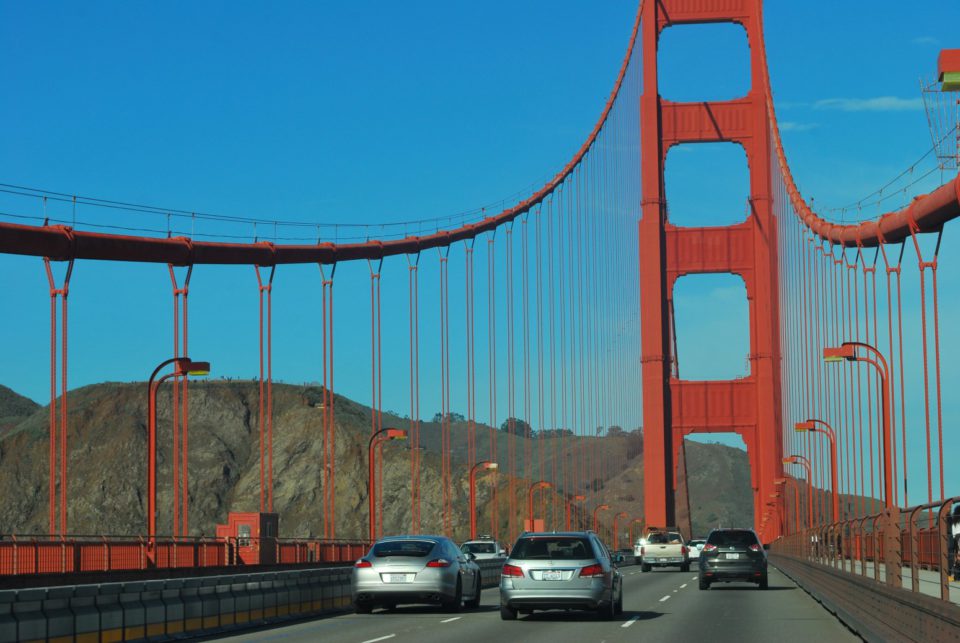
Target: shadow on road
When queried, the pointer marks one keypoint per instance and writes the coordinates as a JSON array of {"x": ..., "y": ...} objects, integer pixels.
[
  {"x": 743, "y": 587},
  {"x": 579, "y": 615}
]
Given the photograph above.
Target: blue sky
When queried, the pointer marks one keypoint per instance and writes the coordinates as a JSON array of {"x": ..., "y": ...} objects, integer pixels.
[{"x": 380, "y": 112}]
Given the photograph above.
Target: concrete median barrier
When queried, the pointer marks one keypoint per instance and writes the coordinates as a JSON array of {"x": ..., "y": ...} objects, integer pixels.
[{"x": 173, "y": 608}]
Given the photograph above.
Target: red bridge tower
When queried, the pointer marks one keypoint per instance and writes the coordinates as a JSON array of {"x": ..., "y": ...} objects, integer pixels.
[{"x": 674, "y": 408}]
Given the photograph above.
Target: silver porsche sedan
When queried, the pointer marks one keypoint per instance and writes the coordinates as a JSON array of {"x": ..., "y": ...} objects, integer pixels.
[{"x": 415, "y": 569}]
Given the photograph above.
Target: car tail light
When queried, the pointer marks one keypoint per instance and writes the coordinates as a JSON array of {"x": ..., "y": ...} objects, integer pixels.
[
  {"x": 684, "y": 550},
  {"x": 363, "y": 563},
  {"x": 591, "y": 571},
  {"x": 709, "y": 549},
  {"x": 513, "y": 571},
  {"x": 755, "y": 547},
  {"x": 439, "y": 562}
]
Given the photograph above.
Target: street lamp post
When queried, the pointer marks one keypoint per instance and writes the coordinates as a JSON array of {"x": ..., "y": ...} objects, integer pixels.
[
  {"x": 805, "y": 463},
  {"x": 375, "y": 439},
  {"x": 796, "y": 501},
  {"x": 577, "y": 498},
  {"x": 598, "y": 509},
  {"x": 183, "y": 366},
  {"x": 616, "y": 533},
  {"x": 540, "y": 484},
  {"x": 848, "y": 351},
  {"x": 812, "y": 426},
  {"x": 485, "y": 464}
]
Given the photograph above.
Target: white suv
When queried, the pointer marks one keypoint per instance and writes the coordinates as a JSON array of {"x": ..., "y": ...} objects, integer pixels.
[{"x": 484, "y": 548}]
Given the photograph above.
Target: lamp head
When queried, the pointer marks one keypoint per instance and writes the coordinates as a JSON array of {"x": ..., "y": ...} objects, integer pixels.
[
  {"x": 396, "y": 434},
  {"x": 845, "y": 351},
  {"x": 603, "y": 507},
  {"x": 187, "y": 366},
  {"x": 579, "y": 497},
  {"x": 791, "y": 460},
  {"x": 804, "y": 426},
  {"x": 490, "y": 465}
]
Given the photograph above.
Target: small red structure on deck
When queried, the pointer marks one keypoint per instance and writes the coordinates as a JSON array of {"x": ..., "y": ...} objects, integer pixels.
[{"x": 252, "y": 537}]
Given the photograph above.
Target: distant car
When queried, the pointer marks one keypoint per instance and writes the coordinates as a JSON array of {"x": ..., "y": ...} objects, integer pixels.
[
  {"x": 415, "y": 569},
  {"x": 565, "y": 570},
  {"x": 484, "y": 548},
  {"x": 638, "y": 547},
  {"x": 733, "y": 555},
  {"x": 694, "y": 547}
]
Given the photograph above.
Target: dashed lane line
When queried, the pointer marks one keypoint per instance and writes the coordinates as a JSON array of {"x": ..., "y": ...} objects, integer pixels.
[
  {"x": 451, "y": 620},
  {"x": 382, "y": 638},
  {"x": 631, "y": 621},
  {"x": 667, "y": 597},
  {"x": 682, "y": 586}
]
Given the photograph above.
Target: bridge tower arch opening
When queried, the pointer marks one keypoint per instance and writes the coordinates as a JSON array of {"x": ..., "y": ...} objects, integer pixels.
[{"x": 674, "y": 407}]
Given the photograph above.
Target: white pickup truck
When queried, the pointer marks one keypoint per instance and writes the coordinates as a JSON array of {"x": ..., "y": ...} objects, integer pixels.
[{"x": 664, "y": 549}]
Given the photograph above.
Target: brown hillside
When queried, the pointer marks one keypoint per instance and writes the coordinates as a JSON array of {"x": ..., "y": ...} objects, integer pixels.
[{"x": 107, "y": 434}]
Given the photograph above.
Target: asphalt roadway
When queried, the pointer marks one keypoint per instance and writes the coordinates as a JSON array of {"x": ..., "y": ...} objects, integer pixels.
[{"x": 661, "y": 605}]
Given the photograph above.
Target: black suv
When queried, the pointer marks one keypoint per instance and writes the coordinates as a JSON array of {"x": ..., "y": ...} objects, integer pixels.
[{"x": 733, "y": 554}]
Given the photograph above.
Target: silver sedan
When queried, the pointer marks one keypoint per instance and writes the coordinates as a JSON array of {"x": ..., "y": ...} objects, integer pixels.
[{"x": 415, "y": 569}]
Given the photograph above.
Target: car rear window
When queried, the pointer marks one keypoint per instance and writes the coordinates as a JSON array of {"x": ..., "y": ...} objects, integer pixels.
[
  {"x": 479, "y": 548},
  {"x": 657, "y": 539},
  {"x": 413, "y": 548},
  {"x": 740, "y": 539},
  {"x": 552, "y": 548}
]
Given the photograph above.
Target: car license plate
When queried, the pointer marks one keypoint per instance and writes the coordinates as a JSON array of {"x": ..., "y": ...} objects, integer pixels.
[
  {"x": 732, "y": 556},
  {"x": 552, "y": 575},
  {"x": 395, "y": 578}
]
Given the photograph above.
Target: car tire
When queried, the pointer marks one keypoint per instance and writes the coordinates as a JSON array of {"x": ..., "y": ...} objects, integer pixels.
[
  {"x": 704, "y": 583},
  {"x": 362, "y": 608},
  {"x": 607, "y": 611},
  {"x": 644, "y": 567},
  {"x": 619, "y": 606},
  {"x": 474, "y": 602},
  {"x": 454, "y": 605},
  {"x": 685, "y": 568},
  {"x": 763, "y": 582},
  {"x": 507, "y": 613}
]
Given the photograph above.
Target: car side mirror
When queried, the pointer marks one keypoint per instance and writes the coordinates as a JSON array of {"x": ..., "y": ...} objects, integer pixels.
[
  {"x": 766, "y": 547},
  {"x": 471, "y": 556},
  {"x": 502, "y": 552},
  {"x": 618, "y": 558}
]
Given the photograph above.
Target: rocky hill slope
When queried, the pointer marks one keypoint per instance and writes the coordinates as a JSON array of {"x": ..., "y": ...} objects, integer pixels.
[{"x": 107, "y": 446}]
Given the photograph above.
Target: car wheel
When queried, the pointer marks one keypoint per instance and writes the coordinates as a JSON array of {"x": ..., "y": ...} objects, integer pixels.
[
  {"x": 619, "y": 607},
  {"x": 454, "y": 605},
  {"x": 608, "y": 610},
  {"x": 763, "y": 582},
  {"x": 362, "y": 608},
  {"x": 644, "y": 567},
  {"x": 474, "y": 602},
  {"x": 704, "y": 583},
  {"x": 685, "y": 568},
  {"x": 507, "y": 613}
]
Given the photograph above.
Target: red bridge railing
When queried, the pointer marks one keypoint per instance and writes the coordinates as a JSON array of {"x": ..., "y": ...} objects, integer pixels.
[{"x": 38, "y": 555}]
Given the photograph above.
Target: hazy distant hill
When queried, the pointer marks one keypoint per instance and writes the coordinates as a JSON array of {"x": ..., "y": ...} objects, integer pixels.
[{"x": 107, "y": 445}]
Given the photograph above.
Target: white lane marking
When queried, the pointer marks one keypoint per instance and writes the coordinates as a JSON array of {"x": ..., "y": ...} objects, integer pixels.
[
  {"x": 382, "y": 638},
  {"x": 667, "y": 597},
  {"x": 682, "y": 586},
  {"x": 694, "y": 578},
  {"x": 631, "y": 621},
  {"x": 451, "y": 620}
]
